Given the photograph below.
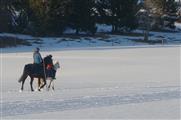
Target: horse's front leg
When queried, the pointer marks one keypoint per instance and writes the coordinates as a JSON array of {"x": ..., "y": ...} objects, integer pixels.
[
  {"x": 44, "y": 83},
  {"x": 22, "y": 85},
  {"x": 31, "y": 84},
  {"x": 39, "y": 82}
]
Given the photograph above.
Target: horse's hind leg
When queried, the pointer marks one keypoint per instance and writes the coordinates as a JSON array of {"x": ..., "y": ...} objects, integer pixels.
[
  {"x": 31, "y": 84},
  {"x": 22, "y": 79},
  {"x": 22, "y": 85},
  {"x": 39, "y": 84}
]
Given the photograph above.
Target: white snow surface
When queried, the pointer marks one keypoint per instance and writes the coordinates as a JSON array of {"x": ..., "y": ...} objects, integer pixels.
[
  {"x": 111, "y": 77},
  {"x": 96, "y": 83},
  {"x": 178, "y": 25}
]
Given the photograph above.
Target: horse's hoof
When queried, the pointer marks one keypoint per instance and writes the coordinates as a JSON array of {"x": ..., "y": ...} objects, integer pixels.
[
  {"x": 20, "y": 91},
  {"x": 40, "y": 90},
  {"x": 36, "y": 90}
]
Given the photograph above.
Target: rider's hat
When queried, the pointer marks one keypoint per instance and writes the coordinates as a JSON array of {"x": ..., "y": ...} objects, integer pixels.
[
  {"x": 37, "y": 49},
  {"x": 50, "y": 55}
]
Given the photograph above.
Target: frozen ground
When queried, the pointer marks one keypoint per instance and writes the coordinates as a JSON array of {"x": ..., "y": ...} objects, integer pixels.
[{"x": 105, "y": 82}]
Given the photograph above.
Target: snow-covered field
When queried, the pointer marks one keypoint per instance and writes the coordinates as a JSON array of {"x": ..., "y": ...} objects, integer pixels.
[{"x": 101, "y": 83}]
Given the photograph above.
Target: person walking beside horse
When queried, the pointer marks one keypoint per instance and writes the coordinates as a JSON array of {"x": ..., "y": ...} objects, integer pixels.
[{"x": 50, "y": 70}]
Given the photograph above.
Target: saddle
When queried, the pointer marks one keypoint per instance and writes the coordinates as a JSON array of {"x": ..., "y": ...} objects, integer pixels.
[{"x": 38, "y": 69}]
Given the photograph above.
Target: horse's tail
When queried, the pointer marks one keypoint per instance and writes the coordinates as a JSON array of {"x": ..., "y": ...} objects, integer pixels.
[{"x": 24, "y": 75}]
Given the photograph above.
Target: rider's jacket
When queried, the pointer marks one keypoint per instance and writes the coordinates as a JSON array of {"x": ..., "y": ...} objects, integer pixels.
[{"x": 37, "y": 58}]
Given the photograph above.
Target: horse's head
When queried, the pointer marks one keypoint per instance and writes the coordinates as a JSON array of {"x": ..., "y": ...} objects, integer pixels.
[{"x": 56, "y": 65}]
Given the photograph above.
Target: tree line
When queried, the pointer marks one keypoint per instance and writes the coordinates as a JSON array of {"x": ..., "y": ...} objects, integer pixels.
[{"x": 52, "y": 17}]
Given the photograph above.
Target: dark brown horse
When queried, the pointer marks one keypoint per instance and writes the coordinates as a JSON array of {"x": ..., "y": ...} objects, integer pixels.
[{"x": 29, "y": 71}]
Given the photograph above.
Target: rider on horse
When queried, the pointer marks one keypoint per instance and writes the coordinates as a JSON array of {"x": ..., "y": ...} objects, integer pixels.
[
  {"x": 49, "y": 71},
  {"x": 41, "y": 69},
  {"x": 37, "y": 56},
  {"x": 37, "y": 61}
]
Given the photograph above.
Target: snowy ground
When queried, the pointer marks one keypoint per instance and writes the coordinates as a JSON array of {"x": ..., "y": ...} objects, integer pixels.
[
  {"x": 99, "y": 82},
  {"x": 105, "y": 77}
]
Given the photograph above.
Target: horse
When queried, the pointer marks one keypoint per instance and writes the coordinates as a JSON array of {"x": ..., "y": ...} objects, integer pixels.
[
  {"x": 29, "y": 71},
  {"x": 56, "y": 66}
]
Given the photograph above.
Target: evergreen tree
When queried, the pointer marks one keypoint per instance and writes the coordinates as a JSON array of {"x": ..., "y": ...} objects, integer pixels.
[
  {"x": 38, "y": 15},
  {"x": 123, "y": 14},
  {"x": 55, "y": 20},
  {"x": 6, "y": 13},
  {"x": 103, "y": 11},
  {"x": 171, "y": 7},
  {"x": 41, "y": 17},
  {"x": 81, "y": 16},
  {"x": 161, "y": 10},
  {"x": 161, "y": 7},
  {"x": 29, "y": 16},
  {"x": 119, "y": 13},
  {"x": 23, "y": 14}
]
